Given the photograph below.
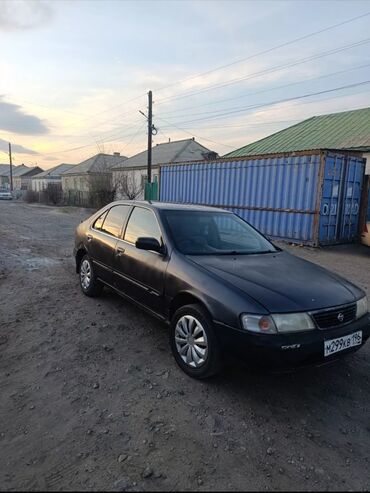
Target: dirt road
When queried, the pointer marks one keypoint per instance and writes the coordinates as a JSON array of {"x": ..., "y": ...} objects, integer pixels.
[{"x": 90, "y": 397}]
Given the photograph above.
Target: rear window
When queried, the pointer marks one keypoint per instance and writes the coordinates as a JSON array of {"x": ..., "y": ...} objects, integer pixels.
[
  {"x": 99, "y": 222},
  {"x": 114, "y": 220}
]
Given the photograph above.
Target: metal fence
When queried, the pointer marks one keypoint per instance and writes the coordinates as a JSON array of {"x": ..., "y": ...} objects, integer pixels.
[{"x": 56, "y": 196}]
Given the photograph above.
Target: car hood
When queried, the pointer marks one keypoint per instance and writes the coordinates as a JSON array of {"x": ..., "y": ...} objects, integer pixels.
[{"x": 280, "y": 281}]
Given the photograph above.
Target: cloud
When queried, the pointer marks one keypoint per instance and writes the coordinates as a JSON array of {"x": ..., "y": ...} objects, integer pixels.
[
  {"x": 17, "y": 15},
  {"x": 13, "y": 119},
  {"x": 16, "y": 148}
]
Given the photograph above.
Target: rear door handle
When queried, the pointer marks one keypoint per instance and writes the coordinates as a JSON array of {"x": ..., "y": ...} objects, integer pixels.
[
  {"x": 89, "y": 237},
  {"x": 120, "y": 251}
]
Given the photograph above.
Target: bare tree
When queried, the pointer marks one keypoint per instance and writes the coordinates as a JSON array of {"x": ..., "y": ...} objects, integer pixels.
[
  {"x": 53, "y": 193},
  {"x": 126, "y": 185},
  {"x": 100, "y": 184}
]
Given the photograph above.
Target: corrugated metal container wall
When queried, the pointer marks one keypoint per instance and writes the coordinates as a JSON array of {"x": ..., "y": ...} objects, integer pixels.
[
  {"x": 309, "y": 198},
  {"x": 278, "y": 195}
]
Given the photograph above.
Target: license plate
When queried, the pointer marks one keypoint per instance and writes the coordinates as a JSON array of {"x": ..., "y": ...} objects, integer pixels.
[{"x": 341, "y": 343}]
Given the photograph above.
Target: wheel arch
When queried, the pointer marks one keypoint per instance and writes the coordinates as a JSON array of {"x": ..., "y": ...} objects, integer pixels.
[
  {"x": 186, "y": 298},
  {"x": 81, "y": 252}
]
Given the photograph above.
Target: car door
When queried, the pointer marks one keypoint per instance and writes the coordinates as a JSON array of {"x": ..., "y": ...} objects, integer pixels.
[
  {"x": 140, "y": 273},
  {"x": 102, "y": 240}
]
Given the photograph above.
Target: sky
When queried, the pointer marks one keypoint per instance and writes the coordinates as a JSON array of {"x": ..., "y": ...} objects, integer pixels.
[{"x": 75, "y": 74}]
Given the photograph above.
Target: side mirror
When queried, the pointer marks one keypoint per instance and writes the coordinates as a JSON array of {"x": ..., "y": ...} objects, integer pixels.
[{"x": 145, "y": 243}]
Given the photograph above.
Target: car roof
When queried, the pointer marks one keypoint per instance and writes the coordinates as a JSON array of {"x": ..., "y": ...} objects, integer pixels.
[{"x": 171, "y": 205}]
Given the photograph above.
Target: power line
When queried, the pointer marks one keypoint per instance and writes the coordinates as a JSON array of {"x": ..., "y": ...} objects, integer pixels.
[
  {"x": 141, "y": 126},
  {"x": 193, "y": 134},
  {"x": 301, "y": 38},
  {"x": 358, "y": 67},
  {"x": 266, "y": 71},
  {"x": 276, "y": 122},
  {"x": 264, "y": 52},
  {"x": 271, "y": 103},
  {"x": 221, "y": 67},
  {"x": 62, "y": 151},
  {"x": 263, "y": 72}
]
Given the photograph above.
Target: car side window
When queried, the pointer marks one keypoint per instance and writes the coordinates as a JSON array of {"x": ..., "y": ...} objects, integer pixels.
[
  {"x": 115, "y": 219},
  {"x": 99, "y": 222},
  {"x": 142, "y": 223}
]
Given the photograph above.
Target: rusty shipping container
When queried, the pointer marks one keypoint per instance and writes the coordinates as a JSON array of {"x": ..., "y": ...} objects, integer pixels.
[{"x": 308, "y": 197}]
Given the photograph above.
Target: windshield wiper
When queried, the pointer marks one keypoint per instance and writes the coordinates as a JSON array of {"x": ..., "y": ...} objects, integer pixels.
[{"x": 235, "y": 252}]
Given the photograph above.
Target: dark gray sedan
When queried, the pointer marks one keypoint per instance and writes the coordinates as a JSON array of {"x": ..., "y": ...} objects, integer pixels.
[{"x": 222, "y": 287}]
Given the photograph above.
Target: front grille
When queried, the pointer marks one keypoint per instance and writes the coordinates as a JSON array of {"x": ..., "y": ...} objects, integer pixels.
[{"x": 336, "y": 317}]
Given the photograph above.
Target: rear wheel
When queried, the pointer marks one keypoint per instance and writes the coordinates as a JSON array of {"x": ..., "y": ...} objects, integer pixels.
[
  {"x": 193, "y": 342},
  {"x": 90, "y": 285}
]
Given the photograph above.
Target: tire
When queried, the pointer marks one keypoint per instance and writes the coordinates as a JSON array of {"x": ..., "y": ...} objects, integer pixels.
[
  {"x": 202, "y": 357},
  {"x": 89, "y": 284}
]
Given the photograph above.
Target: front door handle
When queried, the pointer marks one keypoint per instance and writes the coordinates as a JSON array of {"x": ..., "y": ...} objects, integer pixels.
[{"x": 120, "y": 251}]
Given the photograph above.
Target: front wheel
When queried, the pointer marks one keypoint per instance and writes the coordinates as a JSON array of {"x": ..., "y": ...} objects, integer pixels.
[
  {"x": 194, "y": 343},
  {"x": 90, "y": 285}
]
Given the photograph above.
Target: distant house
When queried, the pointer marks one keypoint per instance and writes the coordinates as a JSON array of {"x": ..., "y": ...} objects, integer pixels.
[
  {"x": 22, "y": 176},
  {"x": 52, "y": 176},
  {"x": 92, "y": 174},
  {"x": 129, "y": 177},
  {"x": 4, "y": 175}
]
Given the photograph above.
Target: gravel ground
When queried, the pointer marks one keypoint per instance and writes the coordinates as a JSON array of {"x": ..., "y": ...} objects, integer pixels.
[{"x": 91, "y": 399}]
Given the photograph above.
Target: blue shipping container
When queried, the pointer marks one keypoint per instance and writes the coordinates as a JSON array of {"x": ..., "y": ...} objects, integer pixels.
[{"x": 311, "y": 198}]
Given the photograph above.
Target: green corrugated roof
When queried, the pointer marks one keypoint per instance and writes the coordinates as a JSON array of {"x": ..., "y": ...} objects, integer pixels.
[{"x": 347, "y": 130}]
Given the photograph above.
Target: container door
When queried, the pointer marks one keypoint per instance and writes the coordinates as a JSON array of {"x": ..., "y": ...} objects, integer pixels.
[
  {"x": 350, "y": 210},
  {"x": 330, "y": 202},
  {"x": 366, "y": 229}
]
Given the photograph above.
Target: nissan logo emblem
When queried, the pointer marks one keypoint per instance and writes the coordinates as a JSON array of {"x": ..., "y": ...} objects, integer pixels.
[{"x": 340, "y": 317}]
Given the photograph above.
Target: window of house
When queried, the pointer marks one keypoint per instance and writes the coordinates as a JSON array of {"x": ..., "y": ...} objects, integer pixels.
[
  {"x": 142, "y": 223},
  {"x": 114, "y": 220}
]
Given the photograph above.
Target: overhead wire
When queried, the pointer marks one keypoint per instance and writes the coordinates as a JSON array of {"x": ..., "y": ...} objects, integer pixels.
[
  {"x": 222, "y": 67},
  {"x": 283, "y": 86},
  {"x": 266, "y": 71},
  {"x": 193, "y": 134},
  {"x": 224, "y": 113},
  {"x": 268, "y": 50},
  {"x": 236, "y": 62},
  {"x": 287, "y": 43},
  {"x": 62, "y": 151}
]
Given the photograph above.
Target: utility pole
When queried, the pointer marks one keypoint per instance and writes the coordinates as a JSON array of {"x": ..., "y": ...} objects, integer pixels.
[
  {"x": 11, "y": 167},
  {"x": 150, "y": 130}
]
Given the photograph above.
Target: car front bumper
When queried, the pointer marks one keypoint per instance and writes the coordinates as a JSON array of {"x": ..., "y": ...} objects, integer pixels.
[{"x": 288, "y": 350}]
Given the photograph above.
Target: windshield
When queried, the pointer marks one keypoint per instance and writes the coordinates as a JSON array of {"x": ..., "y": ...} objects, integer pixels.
[{"x": 214, "y": 233}]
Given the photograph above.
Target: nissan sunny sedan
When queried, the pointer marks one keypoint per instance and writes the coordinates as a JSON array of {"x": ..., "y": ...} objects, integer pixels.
[{"x": 220, "y": 285}]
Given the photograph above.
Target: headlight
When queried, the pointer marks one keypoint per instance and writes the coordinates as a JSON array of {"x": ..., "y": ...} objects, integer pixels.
[
  {"x": 278, "y": 323},
  {"x": 258, "y": 323},
  {"x": 361, "y": 307},
  {"x": 293, "y": 322}
]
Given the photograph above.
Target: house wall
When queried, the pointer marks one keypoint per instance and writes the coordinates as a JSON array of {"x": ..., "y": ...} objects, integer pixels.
[
  {"x": 79, "y": 183},
  {"x": 17, "y": 183},
  {"x": 87, "y": 182},
  {"x": 40, "y": 184},
  {"x": 135, "y": 179},
  {"x": 4, "y": 182}
]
